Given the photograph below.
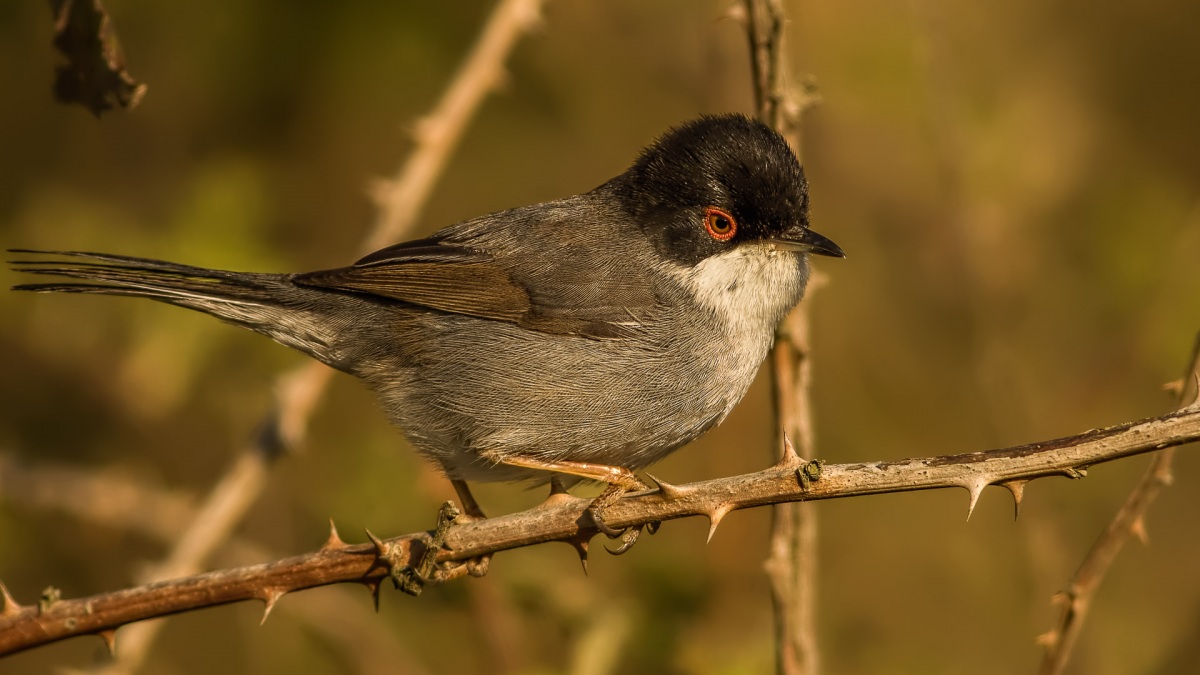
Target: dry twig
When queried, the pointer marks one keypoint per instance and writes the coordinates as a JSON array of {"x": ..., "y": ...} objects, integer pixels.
[
  {"x": 94, "y": 75},
  {"x": 438, "y": 134},
  {"x": 561, "y": 519},
  {"x": 792, "y": 563},
  {"x": 1076, "y": 599}
]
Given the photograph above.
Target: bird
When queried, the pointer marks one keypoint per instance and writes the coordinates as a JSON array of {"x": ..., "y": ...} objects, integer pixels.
[{"x": 576, "y": 339}]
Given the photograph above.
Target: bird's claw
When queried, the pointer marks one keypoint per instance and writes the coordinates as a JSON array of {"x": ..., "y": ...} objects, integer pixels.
[
  {"x": 603, "y": 527},
  {"x": 628, "y": 538},
  {"x": 411, "y": 579},
  {"x": 627, "y": 535}
]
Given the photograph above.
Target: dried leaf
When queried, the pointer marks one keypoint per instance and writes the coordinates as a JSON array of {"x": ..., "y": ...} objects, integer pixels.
[{"x": 95, "y": 74}]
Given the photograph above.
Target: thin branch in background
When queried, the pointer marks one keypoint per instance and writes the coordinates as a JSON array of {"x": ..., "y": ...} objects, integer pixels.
[
  {"x": 598, "y": 650},
  {"x": 299, "y": 391},
  {"x": 438, "y": 134},
  {"x": 1075, "y": 601},
  {"x": 96, "y": 496},
  {"x": 791, "y": 565},
  {"x": 561, "y": 518}
]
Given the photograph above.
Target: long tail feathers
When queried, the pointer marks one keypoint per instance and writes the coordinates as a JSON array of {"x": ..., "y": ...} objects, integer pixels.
[
  {"x": 266, "y": 303},
  {"x": 143, "y": 277}
]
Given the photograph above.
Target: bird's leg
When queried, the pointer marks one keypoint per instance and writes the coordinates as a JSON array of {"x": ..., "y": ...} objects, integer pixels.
[
  {"x": 470, "y": 506},
  {"x": 476, "y": 567},
  {"x": 412, "y": 578},
  {"x": 619, "y": 479}
]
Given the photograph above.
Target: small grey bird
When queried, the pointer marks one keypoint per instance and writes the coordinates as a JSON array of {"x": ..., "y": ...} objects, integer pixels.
[{"x": 579, "y": 338}]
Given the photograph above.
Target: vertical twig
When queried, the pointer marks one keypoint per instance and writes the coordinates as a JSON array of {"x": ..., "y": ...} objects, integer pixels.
[
  {"x": 791, "y": 565},
  {"x": 298, "y": 392},
  {"x": 1076, "y": 599}
]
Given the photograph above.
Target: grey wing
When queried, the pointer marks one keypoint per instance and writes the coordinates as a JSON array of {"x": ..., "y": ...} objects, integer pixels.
[{"x": 560, "y": 289}]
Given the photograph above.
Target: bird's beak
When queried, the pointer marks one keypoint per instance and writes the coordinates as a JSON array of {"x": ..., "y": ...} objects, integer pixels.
[{"x": 805, "y": 240}]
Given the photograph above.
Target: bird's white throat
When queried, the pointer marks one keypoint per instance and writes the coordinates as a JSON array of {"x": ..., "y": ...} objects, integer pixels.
[{"x": 751, "y": 287}]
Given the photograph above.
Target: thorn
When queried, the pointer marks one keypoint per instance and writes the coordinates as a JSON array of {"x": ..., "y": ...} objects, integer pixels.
[
  {"x": 1138, "y": 529},
  {"x": 334, "y": 541},
  {"x": 381, "y": 548},
  {"x": 558, "y": 494},
  {"x": 1060, "y": 599},
  {"x": 669, "y": 492},
  {"x": 1195, "y": 404},
  {"x": 556, "y": 486},
  {"x": 110, "y": 640},
  {"x": 714, "y": 519},
  {"x": 1074, "y": 473},
  {"x": 9, "y": 606},
  {"x": 1174, "y": 388},
  {"x": 580, "y": 544},
  {"x": 975, "y": 487},
  {"x": 271, "y": 595},
  {"x": 1048, "y": 639},
  {"x": 373, "y": 586},
  {"x": 790, "y": 459},
  {"x": 1017, "y": 489}
]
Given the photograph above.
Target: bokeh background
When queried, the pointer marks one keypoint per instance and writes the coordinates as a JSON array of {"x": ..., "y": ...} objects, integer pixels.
[{"x": 1017, "y": 185}]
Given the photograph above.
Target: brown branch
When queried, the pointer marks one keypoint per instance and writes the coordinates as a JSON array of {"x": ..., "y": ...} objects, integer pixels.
[
  {"x": 1076, "y": 599},
  {"x": 791, "y": 565},
  {"x": 561, "y": 519},
  {"x": 299, "y": 391}
]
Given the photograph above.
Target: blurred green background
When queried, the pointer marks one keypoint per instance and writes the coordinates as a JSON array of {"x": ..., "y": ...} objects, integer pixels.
[{"x": 1017, "y": 186}]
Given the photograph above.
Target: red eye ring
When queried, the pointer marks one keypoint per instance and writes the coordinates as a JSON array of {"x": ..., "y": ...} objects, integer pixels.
[{"x": 720, "y": 224}]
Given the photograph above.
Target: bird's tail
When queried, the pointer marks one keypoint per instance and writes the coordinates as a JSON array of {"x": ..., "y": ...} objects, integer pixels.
[{"x": 266, "y": 303}]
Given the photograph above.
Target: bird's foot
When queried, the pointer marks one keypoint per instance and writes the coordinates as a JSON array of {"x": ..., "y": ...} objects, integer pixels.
[
  {"x": 611, "y": 495},
  {"x": 412, "y": 578}
]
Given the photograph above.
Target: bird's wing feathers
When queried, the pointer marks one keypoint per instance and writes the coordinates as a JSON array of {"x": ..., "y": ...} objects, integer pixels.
[
  {"x": 459, "y": 279},
  {"x": 447, "y": 278}
]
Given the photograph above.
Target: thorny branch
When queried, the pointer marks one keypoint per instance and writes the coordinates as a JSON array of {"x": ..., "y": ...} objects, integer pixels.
[
  {"x": 1129, "y": 521},
  {"x": 791, "y": 565},
  {"x": 560, "y": 518},
  {"x": 155, "y": 513},
  {"x": 298, "y": 392}
]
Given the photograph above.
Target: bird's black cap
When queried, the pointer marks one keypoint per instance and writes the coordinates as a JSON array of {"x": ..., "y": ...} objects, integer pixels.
[{"x": 728, "y": 162}]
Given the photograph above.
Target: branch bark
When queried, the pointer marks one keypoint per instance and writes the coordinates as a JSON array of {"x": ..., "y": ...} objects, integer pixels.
[{"x": 561, "y": 519}]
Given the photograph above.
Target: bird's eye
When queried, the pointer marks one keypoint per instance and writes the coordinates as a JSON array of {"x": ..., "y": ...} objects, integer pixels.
[{"x": 720, "y": 225}]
